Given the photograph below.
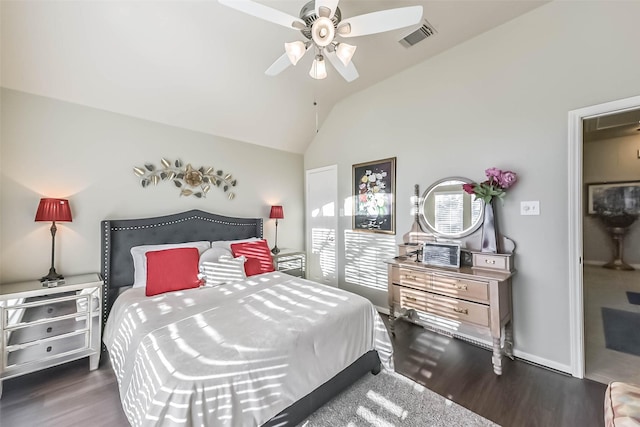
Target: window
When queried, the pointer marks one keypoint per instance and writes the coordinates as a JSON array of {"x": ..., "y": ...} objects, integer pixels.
[{"x": 449, "y": 212}]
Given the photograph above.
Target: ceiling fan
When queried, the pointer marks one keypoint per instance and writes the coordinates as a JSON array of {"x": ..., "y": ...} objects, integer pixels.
[{"x": 321, "y": 23}]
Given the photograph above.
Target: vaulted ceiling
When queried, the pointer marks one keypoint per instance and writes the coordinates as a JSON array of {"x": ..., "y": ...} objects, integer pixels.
[{"x": 200, "y": 65}]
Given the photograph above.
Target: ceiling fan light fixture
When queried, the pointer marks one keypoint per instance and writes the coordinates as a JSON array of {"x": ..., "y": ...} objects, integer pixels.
[
  {"x": 295, "y": 51},
  {"x": 323, "y": 31},
  {"x": 345, "y": 52},
  {"x": 318, "y": 68}
]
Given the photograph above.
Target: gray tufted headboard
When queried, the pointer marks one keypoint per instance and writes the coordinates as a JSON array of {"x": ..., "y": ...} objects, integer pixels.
[{"x": 119, "y": 236}]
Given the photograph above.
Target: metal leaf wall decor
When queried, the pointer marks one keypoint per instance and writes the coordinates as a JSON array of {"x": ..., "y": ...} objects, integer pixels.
[{"x": 191, "y": 181}]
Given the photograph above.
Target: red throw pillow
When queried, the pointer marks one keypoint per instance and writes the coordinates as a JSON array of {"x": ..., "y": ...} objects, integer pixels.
[
  {"x": 258, "y": 256},
  {"x": 172, "y": 270}
]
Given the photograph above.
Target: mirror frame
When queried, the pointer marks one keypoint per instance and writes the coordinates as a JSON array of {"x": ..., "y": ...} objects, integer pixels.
[{"x": 429, "y": 227}]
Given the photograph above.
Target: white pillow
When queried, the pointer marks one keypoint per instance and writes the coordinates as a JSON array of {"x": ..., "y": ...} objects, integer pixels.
[
  {"x": 225, "y": 270},
  {"x": 140, "y": 259},
  {"x": 212, "y": 255},
  {"x": 227, "y": 243}
]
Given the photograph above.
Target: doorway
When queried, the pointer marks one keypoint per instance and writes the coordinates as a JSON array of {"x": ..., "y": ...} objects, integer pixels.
[
  {"x": 322, "y": 224},
  {"x": 593, "y": 288}
]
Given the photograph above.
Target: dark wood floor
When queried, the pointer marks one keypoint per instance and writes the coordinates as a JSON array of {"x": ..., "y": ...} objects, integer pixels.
[{"x": 525, "y": 395}]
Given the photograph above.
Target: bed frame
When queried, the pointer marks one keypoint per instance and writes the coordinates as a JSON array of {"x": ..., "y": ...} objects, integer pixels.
[{"x": 119, "y": 236}]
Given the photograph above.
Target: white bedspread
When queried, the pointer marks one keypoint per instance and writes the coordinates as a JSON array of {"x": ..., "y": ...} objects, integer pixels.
[{"x": 235, "y": 355}]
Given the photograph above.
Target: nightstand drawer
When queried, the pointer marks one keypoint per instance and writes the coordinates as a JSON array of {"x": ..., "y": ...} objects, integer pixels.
[
  {"x": 451, "y": 308},
  {"x": 38, "y": 309},
  {"x": 46, "y": 330},
  {"x": 460, "y": 288},
  {"x": 42, "y": 351}
]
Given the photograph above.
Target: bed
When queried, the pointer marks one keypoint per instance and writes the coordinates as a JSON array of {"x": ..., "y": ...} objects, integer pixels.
[{"x": 268, "y": 350}]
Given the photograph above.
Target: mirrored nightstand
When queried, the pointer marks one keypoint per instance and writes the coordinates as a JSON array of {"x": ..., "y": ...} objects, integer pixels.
[
  {"x": 47, "y": 326},
  {"x": 291, "y": 261}
]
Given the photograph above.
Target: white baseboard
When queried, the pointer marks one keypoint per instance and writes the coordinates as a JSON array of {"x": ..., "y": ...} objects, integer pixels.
[{"x": 382, "y": 309}]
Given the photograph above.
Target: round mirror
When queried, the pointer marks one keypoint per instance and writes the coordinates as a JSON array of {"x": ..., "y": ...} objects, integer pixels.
[{"x": 448, "y": 211}]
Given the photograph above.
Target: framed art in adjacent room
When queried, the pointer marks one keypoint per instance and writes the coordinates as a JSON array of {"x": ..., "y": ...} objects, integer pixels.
[
  {"x": 374, "y": 191},
  {"x": 613, "y": 198}
]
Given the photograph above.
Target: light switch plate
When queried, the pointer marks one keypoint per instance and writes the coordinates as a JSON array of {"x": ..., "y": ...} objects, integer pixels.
[{"x": 530, "y": 208}]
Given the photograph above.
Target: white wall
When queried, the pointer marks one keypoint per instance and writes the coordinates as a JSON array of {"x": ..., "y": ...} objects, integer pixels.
[
  {"x": 500, "y": 100},
  {"x": 610, "y": 160},
  {"x": 58, "y": 149}
]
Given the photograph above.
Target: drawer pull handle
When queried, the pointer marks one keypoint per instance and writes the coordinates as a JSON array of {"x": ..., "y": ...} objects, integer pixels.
[
  {"x": 50, "y": 310},
  {"x": 48, "y": 349},
  {"x": 490, "y": 261},
  {"x": 410, "y": 298},
  {"x": 461, "y": 287},
  {"x": 411, "y": 277},
  {"x": 49, "y": 329},
  {"x": 461, "y": 310}
]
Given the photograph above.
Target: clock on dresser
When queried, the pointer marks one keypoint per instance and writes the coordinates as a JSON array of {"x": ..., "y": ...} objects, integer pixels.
[{"x": 46, "y": 326}]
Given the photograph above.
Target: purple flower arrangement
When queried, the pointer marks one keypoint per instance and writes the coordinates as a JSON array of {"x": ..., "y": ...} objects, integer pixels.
[{"x": 495, "y": 185}]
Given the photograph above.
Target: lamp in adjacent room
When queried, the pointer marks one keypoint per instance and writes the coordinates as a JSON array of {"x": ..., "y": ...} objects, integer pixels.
[
  {"x": 53, "y": 210},
  {"x": 276, "y": 213}
]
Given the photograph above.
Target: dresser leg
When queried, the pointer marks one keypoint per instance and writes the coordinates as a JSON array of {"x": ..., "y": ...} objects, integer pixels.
[
  {"x": 392, "y": 319},
  {"x": 0, "y": 389},
  {"x": 94, "y": 361},
  {"x": 508, "y": 340},
  {"x": 497, "y": 356}
]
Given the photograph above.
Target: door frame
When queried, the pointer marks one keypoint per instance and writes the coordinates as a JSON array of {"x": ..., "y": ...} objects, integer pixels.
[
  {"x": 308, "y": 238},
  {"x": 576, "y": 185}
]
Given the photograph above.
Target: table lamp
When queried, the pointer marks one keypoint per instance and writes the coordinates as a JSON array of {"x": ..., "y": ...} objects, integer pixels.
[
  {"x": 53, "y": 210},
  {"x": 277, "y": 213}
]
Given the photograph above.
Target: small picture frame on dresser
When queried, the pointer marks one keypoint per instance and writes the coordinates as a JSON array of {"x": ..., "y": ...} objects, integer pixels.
[{"x": 441, "y": 254}]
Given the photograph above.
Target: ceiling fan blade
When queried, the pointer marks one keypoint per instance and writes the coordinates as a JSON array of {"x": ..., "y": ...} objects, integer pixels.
[
  {"x": 278, "y": 66},
  {"x": 379, "y": 22},
  {"x": 264, "y": 12},
  {"x": 282, "y": 63},
  {"x": 349, "y": 72},
  {"x": 331, "y": 5}
]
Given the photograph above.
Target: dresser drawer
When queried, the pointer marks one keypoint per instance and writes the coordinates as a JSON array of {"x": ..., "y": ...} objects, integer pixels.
[
  {"x": 414, "y": 279},
  {"x": 451, "y": 308},
  {"x": 41, "y": 351},
  {"x": 46, "y": 330},
  {"x": 460, "y": 288},
  {"x": 492, "y": 261}
]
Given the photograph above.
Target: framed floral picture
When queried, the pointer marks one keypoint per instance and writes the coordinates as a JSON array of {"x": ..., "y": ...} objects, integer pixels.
[
  {"x": 613, "y": 198},
  {"x": 374, "y": 191}
]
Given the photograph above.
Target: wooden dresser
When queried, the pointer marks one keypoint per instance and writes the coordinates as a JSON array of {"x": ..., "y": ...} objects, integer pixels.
[{"x": 477, "y": 296}]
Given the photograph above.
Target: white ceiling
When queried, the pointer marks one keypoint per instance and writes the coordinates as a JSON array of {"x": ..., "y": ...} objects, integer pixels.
[{"x": 200, "y": 65}]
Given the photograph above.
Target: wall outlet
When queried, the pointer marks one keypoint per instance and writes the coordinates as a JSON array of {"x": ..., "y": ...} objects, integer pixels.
[{"x": 530, "y": 208}]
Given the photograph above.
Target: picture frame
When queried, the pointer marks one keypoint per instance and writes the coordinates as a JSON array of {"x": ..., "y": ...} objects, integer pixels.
[
  {"x": 374, "y": 192},
  {"x": 621, "y": 197}
]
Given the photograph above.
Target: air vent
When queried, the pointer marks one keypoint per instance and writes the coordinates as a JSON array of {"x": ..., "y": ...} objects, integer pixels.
[{"x": 411, "y": 39}]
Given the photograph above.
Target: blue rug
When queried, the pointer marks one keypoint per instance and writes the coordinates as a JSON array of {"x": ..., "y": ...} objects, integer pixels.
[
  {"x": 633, "y": 297},
  {"x": 621, "y": 330}
]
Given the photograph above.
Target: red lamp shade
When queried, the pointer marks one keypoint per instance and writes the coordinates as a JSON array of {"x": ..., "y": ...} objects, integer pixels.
[
  {"x": 54, "y": 210},
  {"x": 276, "y": 212}
]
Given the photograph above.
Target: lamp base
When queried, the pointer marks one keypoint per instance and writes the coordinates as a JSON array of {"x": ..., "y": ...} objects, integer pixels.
[
  {"x": 275, "y": 250},
  {"x": 52, "y": 276}
]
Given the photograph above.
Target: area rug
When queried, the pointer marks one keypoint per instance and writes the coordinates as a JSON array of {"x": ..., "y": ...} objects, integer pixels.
[
  {"x": 621, "y": 330},
  {"x": 633, "y": 297},
  {"x": 389, "y": 399}
]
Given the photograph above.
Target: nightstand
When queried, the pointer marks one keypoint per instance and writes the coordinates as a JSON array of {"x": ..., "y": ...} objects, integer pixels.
[
  {"x": 43, "y": 327},
  {"x": 292, "y": 262}
]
